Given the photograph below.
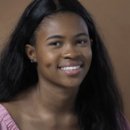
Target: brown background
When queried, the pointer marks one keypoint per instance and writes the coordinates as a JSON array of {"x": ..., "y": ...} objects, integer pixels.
[{"x": 112, "y": 20}]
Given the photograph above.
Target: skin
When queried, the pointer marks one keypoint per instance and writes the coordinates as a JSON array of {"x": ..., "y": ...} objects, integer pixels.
[{"x": 49, "y": 105}]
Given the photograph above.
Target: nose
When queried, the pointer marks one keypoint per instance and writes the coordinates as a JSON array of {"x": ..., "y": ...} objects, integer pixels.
[{"x": 71, "y": 52}]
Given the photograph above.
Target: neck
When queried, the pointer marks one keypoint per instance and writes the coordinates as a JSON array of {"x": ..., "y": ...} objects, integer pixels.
[{"x": 56, "y": 99}]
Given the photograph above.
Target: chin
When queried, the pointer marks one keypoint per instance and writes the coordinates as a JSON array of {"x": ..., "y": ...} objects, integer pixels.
[{"x": 71, "y": 84}]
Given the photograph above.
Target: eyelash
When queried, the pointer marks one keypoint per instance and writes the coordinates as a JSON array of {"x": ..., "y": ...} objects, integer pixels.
[
  {"x": 85, "y": 41},
  {"x": 53, "y": 44}
]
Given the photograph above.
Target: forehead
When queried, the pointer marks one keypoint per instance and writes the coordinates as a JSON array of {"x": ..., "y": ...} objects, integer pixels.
[{"x": 62, "y": 24}]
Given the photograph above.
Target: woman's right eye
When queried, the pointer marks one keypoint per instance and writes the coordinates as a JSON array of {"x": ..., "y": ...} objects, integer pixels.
[{"x": 56, "y": 44}]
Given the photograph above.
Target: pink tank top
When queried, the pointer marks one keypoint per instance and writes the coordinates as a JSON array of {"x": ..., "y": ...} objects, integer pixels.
[{"x": 6, "y": 122}]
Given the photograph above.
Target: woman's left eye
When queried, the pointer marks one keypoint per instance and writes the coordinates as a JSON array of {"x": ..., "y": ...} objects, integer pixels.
[{"x": 81, "y": 41}]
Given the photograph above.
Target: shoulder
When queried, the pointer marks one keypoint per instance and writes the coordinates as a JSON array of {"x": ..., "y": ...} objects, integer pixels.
[
  {"x": 3, "y": 113},
  {"x": 3, "y": 117},
  {"x": 126, "y": 123},
  {"x": 6, "y": 122},
  {"x": 123, "y": 122}
]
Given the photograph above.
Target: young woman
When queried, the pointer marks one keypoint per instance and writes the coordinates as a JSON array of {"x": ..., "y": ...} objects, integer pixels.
[{"x": 55, "y": 73}]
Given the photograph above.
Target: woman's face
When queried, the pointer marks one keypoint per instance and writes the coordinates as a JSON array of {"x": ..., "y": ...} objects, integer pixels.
[{"x": 63, "y": 50}]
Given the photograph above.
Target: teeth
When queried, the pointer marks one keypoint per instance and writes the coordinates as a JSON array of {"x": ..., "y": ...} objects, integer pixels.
[{"x": 70, "y": 68}]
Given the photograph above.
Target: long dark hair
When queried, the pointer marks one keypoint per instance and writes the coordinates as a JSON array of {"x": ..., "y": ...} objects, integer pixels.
[{"x": 98, "y": 105}]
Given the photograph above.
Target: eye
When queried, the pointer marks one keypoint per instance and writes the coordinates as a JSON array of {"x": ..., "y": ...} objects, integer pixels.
[
  {"x": 56, "y": 44},
  {"x": 81, "y": 41}
]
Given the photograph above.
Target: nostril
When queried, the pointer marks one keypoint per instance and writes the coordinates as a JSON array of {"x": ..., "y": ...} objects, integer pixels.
[{"x": 71, "y": 54}]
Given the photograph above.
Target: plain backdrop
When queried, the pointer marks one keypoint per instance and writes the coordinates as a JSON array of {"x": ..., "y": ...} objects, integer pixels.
[{"x": 112, "y": 19}]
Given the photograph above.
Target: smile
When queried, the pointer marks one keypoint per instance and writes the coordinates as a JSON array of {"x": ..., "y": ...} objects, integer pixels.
[
  {"x": 70, "y": 68},
  {"x": 73, "y": 70}
]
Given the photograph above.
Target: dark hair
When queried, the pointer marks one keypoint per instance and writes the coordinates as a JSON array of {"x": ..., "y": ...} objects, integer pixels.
[{"x": 98, "y": 105}]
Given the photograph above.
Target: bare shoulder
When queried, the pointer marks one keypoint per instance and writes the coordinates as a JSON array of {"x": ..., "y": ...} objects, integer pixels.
[
  {"x": 18, "y": 102},
  {"x": 13, "y": 108}
]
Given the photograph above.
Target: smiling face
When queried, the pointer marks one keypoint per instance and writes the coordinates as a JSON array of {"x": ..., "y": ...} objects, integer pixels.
[{"x": 62, "y": 50}]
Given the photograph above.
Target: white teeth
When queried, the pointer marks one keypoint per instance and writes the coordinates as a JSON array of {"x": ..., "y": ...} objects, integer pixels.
[{"x": 70, "y": 68}]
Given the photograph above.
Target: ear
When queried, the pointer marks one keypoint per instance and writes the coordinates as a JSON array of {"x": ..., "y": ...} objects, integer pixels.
[{"x": 31, "y": 52}]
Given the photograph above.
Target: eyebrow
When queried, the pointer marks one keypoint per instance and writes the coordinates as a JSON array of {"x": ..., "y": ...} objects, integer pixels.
[
  {"x": 81, "y": 34},
  {"x": 61, "y": 37},
  {"x": 55, "y": 36}
]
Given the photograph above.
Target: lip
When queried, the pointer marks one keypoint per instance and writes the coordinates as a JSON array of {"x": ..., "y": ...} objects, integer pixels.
[
  {"x": 71, "y": 64},
  {"x": 72, "y": 72}
]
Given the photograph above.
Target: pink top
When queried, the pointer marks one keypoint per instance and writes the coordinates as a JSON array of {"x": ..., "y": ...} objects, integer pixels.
[{"x": 7, "y": 123}]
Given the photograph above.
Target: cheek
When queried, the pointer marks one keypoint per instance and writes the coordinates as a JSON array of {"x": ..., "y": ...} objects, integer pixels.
[
  {"x": 87, "y": 54},
  {"x": 87, "y": 60},
  {"x": 90, "y": 54},
  {"x": 46, "y": 58}
]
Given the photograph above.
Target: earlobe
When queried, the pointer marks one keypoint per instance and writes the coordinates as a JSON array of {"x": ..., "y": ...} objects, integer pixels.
[{"x": 30, "y": 52}]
